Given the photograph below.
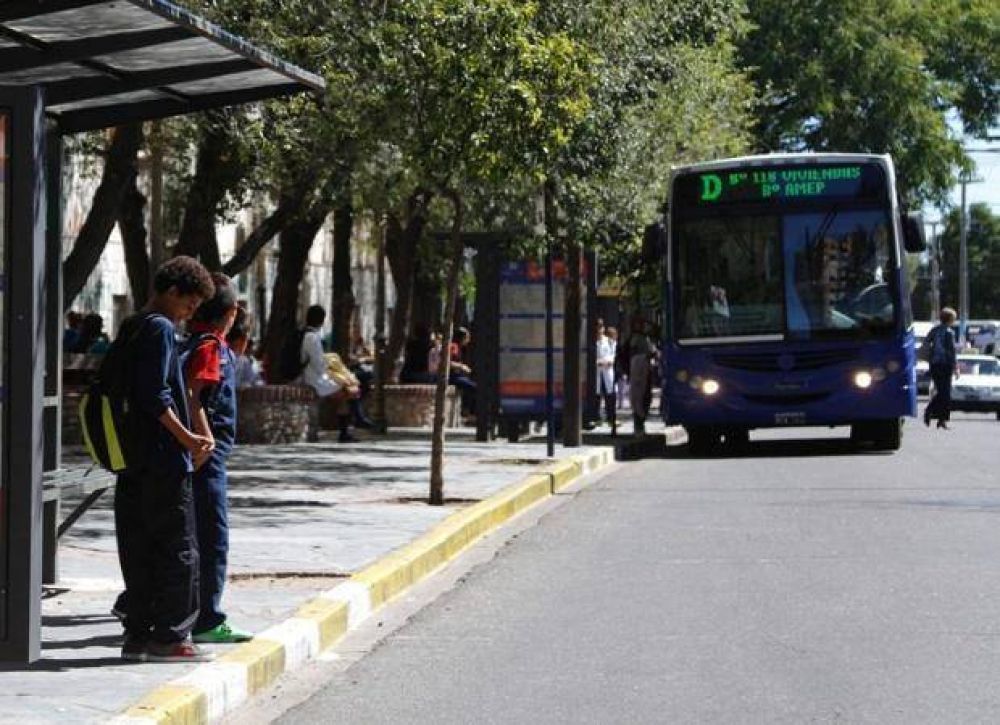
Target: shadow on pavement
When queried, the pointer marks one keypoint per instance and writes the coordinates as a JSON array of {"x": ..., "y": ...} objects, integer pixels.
[
  {"x": 64, "y": 664},
  {"x": 798, "y": 448}
]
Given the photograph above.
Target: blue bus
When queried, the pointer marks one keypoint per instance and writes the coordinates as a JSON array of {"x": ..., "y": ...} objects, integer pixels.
[{"x": 787, "y": 298}]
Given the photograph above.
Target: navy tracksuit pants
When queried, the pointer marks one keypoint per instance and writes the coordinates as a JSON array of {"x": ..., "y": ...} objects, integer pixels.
[
  {"x": 154, "y": 524},
  {"x": 212, "y": 517}
]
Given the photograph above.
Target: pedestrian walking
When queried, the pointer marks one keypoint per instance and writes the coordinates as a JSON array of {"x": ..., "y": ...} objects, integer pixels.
[
  {"x": 154, "y": 500},
  {"x": 940, "y": 353},
  {"x": 210, "y": 374}
]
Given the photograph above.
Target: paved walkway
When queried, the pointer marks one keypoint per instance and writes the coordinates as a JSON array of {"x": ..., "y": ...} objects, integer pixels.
[{"x": 302, "y": 517}]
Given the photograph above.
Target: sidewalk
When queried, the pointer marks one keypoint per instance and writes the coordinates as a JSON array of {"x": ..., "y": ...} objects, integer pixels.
[{"x": 303, "y": 519}]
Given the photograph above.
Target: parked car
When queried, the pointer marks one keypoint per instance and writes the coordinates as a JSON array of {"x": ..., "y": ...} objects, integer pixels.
[
  {"x": 920, "y": 330},
  {"x": 977, "y": 389}
]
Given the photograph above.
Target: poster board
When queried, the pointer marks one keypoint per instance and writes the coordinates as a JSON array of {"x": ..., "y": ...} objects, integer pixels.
[{"x": 521, "y": 338}]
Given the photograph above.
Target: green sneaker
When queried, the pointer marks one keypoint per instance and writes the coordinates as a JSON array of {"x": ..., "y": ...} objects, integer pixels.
[{"x": 222, "y": 634}]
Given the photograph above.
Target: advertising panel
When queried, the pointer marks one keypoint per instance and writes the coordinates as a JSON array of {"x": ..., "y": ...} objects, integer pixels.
[{"x": 522, "y": 338}]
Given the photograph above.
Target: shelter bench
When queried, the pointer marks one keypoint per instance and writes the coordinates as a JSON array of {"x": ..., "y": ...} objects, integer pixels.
[{"x": 91, "y": 483}]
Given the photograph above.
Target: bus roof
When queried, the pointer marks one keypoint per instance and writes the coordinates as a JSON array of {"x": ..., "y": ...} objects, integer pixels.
[{"x": 804, "y": 158}]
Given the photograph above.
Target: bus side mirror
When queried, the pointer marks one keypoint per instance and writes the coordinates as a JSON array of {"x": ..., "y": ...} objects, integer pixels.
[
  {"x": 654, "y": 243},
  {"x": 914, "y": 240}
]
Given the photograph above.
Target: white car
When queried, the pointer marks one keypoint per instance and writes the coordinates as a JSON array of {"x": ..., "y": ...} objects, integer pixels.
[
  {"x": 920, "y": 330},
  {"x": 977, "y": 389}
]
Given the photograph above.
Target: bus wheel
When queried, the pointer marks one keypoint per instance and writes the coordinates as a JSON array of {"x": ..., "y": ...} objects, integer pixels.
[{"x": 702, "y": 441}]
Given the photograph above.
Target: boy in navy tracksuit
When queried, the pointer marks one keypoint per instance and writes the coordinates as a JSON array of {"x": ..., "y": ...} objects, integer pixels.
[
  {"x": 154, "y": 504},
  {"x": 210, "y": 375}
]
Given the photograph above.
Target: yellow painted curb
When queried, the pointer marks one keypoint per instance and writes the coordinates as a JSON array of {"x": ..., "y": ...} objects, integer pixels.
[
  {"x": 393, "y": 574},
  {"x": 172, "y": 705},
  {"x": 564, "y": 473},
  {"x": 265, "y": 659},
  {"x": 329, "y": 616}
]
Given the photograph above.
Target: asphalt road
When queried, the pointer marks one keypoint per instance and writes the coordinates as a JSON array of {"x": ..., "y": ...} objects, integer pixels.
[{"x": 803, "y": 582}]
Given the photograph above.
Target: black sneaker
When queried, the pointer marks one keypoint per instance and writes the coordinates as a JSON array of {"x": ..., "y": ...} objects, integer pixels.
[{"x": 135, "y": 649}]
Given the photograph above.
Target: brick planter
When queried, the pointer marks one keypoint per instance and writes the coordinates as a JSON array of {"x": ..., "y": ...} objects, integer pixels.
[
  {"x": 273, "y": 413},
  {"x": 412, "y": 406}
]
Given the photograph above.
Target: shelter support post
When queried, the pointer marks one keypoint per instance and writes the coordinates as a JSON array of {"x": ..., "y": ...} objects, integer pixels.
[{"x": 24, "y": 367}]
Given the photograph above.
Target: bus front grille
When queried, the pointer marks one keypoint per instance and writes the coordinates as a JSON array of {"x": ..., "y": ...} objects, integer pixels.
[
  {"x": 798, "y": 399},
  {"x": 786, "y": 361}
]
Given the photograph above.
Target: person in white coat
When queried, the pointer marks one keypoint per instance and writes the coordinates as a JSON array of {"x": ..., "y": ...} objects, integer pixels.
[{"x": 605, "y": 355}]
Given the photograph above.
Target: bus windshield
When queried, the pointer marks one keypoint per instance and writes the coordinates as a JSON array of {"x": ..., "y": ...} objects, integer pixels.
[{"x": 798, "y": 275}]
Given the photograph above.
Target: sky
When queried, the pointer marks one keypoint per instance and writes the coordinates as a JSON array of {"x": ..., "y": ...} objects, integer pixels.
[{"x": 987, "y": 169}]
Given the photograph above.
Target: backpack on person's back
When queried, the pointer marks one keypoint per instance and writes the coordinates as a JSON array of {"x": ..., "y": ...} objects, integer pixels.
[{"x": 108, "y": 435}]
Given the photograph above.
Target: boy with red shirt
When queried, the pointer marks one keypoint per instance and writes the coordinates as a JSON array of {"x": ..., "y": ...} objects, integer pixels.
[{"x": 210, "y": 377}]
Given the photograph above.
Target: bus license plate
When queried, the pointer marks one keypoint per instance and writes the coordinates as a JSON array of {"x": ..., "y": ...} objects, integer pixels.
[{"x": 796, "y": 417}]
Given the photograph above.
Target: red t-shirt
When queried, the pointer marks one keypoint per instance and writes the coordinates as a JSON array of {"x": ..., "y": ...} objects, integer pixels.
[{"x": 203, "y": 363}]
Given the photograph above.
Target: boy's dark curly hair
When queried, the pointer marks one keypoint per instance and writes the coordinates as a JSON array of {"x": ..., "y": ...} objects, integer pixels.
[
  {"x": 187, "y": 275},
  {"x": 220, "y": 304}
]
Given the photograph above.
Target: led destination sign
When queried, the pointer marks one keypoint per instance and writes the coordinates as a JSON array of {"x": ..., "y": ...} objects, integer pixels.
[{"x": 785, "y": 183}]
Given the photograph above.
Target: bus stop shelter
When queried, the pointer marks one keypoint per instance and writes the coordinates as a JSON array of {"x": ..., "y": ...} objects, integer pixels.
[{"x": 68, "y": 66}]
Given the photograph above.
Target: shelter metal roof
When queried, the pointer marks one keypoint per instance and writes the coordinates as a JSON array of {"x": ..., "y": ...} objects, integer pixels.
[{"x": 106, "y": 62}]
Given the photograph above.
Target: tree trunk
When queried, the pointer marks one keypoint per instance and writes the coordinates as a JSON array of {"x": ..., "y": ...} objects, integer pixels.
[
  {"x": 425, "y": 308},
  {"x": 343, "y": 285},
  {"x": 132, "y": 222},
  {"x": 401, "y": 251},
  {"x": 119, "y": 170},
  {"x": 157, "y": 243},
  {"x": 381, "y": 359},
  {"x": 296, "y": 241},
  {"x": 288, "y": 206},
  {"x": 572, "y": 405},
  {"x": 444, "y": 366},
  {"x": 216, "y": 172}
]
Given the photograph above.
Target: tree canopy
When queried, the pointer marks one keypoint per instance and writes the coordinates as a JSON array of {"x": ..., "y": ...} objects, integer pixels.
[{"x": 876, "y": 75}]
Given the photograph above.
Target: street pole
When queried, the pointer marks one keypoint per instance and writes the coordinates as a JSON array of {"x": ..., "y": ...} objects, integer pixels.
[
  {"x": 550, "y": 365},
  {"x": 963, "y": 261},
  {"x": 550, "y": 413},
  {"x": 935, "y": 271}
]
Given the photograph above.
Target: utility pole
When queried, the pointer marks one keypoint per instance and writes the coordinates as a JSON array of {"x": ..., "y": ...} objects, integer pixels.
[
  {"x": 935, "y": 262},
  {"x": 963, "y": 260}
]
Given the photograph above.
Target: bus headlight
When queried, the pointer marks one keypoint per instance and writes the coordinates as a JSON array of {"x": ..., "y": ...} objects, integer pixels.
[
  {"x": 893, "y": 366},
  {"x": 878, "y": 375},
  {"x": 682, "y": 376},
  {"x": 863, "y": 379},
  {"x": 709, "y": 387}
]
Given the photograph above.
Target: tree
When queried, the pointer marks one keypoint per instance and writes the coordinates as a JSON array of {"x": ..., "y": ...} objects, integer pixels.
[
  {"x": 876, "y": 76},
  {"x": 482, "y": 96},
  {"x": 984, "y": 261},
  {"x": 117, "y": 176},
  {"x": 665, "y": 90}
]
